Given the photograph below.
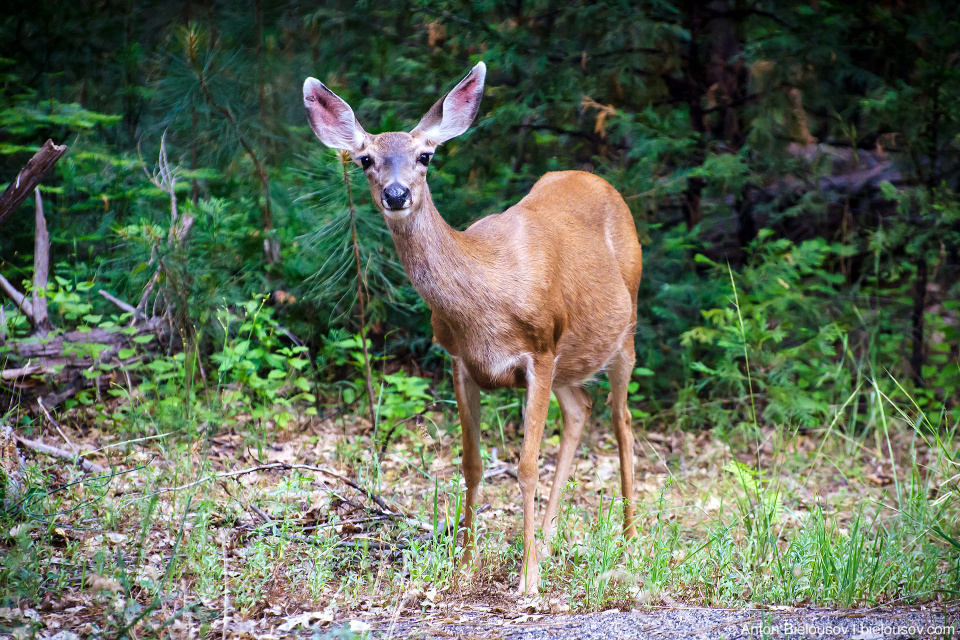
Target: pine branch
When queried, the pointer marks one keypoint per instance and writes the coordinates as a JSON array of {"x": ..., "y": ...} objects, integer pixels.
[
  {"x": 271, "y": 251},
  {"x": 360, "y": 287}
]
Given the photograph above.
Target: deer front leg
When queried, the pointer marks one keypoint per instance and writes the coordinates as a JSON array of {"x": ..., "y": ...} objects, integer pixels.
[
  {"x": 468, "y": 405},
  {"x": 539, "y": 382}
]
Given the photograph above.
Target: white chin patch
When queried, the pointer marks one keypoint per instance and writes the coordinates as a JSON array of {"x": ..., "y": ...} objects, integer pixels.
[{"x": 396, "y": 214}]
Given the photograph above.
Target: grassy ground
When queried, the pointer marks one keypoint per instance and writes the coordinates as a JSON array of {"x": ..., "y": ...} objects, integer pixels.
[{"x": 248, "y": 529}]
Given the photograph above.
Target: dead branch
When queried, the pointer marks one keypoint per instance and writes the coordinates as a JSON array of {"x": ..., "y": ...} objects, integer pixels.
[
  {"x": 283, "y": 466},
  {"x": 29, "y": 177},
  {"x": 56, "y": 426},
  {"x": 18, "y": 298},
  {"x": 59, "y": 365},
  {"x": 341, "y": 523},
  {"x": 65, "y": 357},
  {"x": 165, "y": 179},
  {"x": 56, "y": 452},
  {"x": 41, "y": 270},
  {"x": 31, "y": 369},
  {"x": 36, "y": 307},
  {"x": 496, "y": 471},
  {"x": 124, "y": 306}
]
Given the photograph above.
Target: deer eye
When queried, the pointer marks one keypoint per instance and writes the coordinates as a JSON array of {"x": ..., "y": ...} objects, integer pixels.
[
  {"x": 424, "y": 158},
  {"x": 366, "y": 162}
]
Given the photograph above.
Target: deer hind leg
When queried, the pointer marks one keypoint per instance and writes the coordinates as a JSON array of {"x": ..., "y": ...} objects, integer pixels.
[
  {"x": 468, "y": 405},
  {"x": 574, "y": 404},
  {"x": 619, "y": 371}
]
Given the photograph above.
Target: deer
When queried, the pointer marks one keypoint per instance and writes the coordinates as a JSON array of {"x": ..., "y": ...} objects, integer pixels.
[{"x": 540, "y": 297}]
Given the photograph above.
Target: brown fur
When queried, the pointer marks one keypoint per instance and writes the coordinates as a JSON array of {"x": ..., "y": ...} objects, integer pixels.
[{"x": 541, "y": 296}]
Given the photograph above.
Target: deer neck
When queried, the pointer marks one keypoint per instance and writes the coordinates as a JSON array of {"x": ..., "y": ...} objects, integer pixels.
[{"x": 441, "y": 262}]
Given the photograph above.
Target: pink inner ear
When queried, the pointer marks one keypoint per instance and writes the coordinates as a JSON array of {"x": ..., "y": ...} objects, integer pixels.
[
  {"x": 463, "y": 96},
  {"x": 330, "y": 111}
]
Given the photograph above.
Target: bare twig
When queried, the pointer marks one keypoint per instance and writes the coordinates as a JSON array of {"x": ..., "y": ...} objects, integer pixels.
[
  {"x": 56, "y": 426},
  {"x": 124, "y": 306},
  {"x": 496, "y": 471},
  {"x": 165, "y": 179},
  {"x": 283, "y": 466},
  {"x": 355, "y": 521},
  {"x": 56, "y": 452},
  {"x": 29, "y": 177},
  {"x": 266, "y": 519}
]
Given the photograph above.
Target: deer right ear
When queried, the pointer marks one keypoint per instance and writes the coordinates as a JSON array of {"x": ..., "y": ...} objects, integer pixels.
[
  {"x": 453, "y": 113},
  {"x": 331, "y": 118}
]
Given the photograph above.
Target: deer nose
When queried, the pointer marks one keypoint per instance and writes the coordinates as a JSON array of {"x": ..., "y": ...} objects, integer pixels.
[{"x": 395, "y": 197}]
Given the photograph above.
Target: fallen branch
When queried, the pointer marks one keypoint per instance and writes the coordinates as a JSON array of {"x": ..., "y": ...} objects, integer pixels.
[
  {"x": 56, "y": 426},
  {"x": 283, "y": 466},
  {"x": 496, "y": 471},
  {"x": 341, "y": 523},
  {"x": 30, "y": 369},
  {"x": 56, "y": 367},
  {"x": 124, "y": 306},
  {"x": 29, "y": 177},
  {"x": 18, "y": 298},
  {"x": 56, "y": 452}
]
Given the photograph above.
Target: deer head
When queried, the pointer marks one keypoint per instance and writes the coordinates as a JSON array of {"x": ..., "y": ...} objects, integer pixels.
[{"x": 395, "y": 163}]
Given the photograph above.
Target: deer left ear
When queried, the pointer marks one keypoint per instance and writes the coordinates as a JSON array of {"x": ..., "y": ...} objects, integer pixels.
[
  {"x": 331, "y": 118},
  {"x": 453, "y": 113}
]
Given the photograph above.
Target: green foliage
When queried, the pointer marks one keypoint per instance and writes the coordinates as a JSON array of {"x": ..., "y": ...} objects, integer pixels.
[
  {"x": 785, "y": 306},
  {"x": 257, "y": 371}
]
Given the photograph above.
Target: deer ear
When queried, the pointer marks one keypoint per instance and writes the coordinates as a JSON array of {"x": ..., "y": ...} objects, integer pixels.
[
  {"x": 453, "y": 113},
  {"x": 331, "y": 118}
]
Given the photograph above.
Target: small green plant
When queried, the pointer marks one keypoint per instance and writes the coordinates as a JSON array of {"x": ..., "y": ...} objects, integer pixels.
[{"x": 257, "y": 371}]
